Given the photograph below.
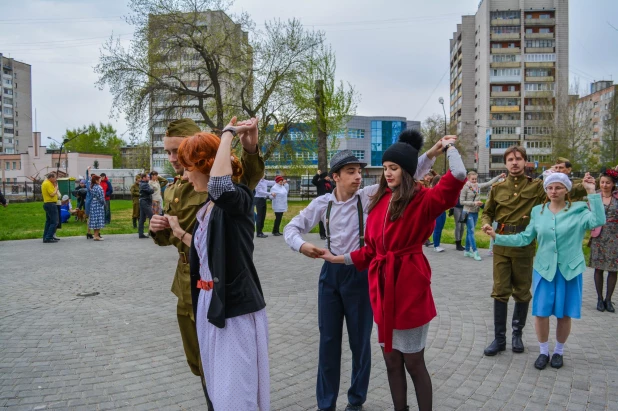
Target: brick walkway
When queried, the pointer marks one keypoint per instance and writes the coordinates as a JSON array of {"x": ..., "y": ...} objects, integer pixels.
[{"x": 121, "y": 349}]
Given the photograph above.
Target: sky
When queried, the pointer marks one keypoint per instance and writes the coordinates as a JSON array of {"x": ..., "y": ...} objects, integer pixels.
[{"x": 394, "y": 52}]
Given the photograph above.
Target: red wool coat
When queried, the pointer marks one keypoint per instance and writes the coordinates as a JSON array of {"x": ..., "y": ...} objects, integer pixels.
[{"x": 399, "y": 273}]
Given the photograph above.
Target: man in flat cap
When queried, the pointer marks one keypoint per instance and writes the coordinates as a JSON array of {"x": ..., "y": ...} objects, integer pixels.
[
  {"x": 343, "y": 291},
  {"x": 182, "y": 201}
]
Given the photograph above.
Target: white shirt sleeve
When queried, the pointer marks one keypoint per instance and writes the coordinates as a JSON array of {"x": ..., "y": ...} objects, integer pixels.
[
  {"x": 423, "y": 167},
  {"x": 304, "y": 222}
]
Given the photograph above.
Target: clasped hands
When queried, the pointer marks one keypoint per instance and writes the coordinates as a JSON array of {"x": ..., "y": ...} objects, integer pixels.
[{"x": 247, "y": 132}]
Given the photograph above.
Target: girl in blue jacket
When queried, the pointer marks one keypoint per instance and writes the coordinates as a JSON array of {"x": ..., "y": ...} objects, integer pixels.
[{"x": 559, "y": 226}]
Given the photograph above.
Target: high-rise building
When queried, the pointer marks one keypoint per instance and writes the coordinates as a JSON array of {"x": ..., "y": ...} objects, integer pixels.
[
  {"x": 509, "y": 64},
  {"x": 599, "y": 112},
  {"x": 15, "y": 106},
  {"x": 181, "y": 64}
]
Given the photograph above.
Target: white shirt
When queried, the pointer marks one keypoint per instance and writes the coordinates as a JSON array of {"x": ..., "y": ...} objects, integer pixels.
[
  {"x": 343, "y": 227},
  {"x": 280, "y": 200},
  {"x": 261, "y": 190}
]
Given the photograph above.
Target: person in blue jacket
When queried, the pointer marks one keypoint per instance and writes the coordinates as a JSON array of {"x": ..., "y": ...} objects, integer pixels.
[{"x": 559, "y": 226}]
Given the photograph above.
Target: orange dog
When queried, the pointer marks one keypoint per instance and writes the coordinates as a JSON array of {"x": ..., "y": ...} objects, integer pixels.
[{"x": 81, "y": 215}]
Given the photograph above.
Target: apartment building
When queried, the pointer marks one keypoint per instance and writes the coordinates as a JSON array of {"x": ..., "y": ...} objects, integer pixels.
[
  {"x": 181, "y": 65},
  {"x": 599, "y": 108},
  {"x": 509, "y": 63},
  {"x": 366, "y": 136},
  {"x": 15, "y": 106}
]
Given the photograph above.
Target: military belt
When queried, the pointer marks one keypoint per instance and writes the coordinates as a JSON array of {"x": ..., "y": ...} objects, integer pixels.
[
  {"x": 183, "y": 257},
  {"x": 510, "y": 229}
]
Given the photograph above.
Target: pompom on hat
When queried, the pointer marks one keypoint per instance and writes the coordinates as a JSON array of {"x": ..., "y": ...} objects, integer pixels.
[
  {"x": 405, "y": 151},
  {"x": 551, "y": 176}
]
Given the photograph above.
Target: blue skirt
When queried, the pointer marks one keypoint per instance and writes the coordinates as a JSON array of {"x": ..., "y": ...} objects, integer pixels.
[{"x": 559, "y": 297}]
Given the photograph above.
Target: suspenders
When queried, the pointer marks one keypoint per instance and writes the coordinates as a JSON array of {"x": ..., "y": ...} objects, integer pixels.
[{"x": 361, "y": 223}]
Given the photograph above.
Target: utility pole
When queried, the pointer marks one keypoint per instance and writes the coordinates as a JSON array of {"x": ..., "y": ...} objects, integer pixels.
[{"x": 321, "y": 125}]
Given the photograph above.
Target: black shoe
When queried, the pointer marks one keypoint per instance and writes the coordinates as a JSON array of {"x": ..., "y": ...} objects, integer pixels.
[
  {"x": 277, "y": 234},
  {"x": 609, "y": 306},
  {"x": 56, "y": 238},
  {"x": 261, "y": 235},
  {"x": 143, "y": 236},
  {"x": 499, "y": 343},
  {"x": 49, "y": 240},
  {"x": 520, "y": 313},
  {"x": 458, "y": 246},
  {"x": 556, "y": 361},
  {"x": 89, "y": 236},
  {"x": 351, "y": 407},
  {"x": 322, "y": 237},
  {"x": 600, "y": 305},
  {"x": 541, "y": 362},
  {"x": 427, "y": 243}
]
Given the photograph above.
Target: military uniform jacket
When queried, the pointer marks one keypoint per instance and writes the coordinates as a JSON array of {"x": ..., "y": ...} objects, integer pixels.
[
  {"x": 135, "y": 191},
  {"x": 183, "y": 202},
  {"x": 510, "y": 202}
]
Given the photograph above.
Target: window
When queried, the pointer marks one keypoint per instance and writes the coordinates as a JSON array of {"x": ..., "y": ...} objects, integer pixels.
[
  {"x": 537, "y": 130},
  {"x": 505, "y": 102},
  {"x": 8, "y": 130},
  {"x": 497, "y": 159},
  {"x": 356, "y": 133},
  {"x": 539, "y": 86},
  {"x": 306, "y": 155},
  {"x": 505, "y": 58},
  {"x": 360, "y": 154},
  {"x": 540, "y": 159},
  {"x": 503, "y": 144},
  {"x": 540, "y": 43},
  {"x": 14, "y": 165},
  {"x": 8, "y": 91},
  {"x": 506, "y": 72},
  {"x": 505, "y": 30},
  {"x": 540, "y": 57},
  {"x": 506, "y": 116},
  {"x": 6, "y": 165},
  {"x": 538, "y": 72},
  {"x": 538, "y": 144},
  {"x": 505, "y": 15},
  {"x": 504, "y": 130},
  {"x": 8, "y": 81}
]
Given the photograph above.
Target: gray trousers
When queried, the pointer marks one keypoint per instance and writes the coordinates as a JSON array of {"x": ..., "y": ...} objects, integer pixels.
[
  {"x": 145, "y": 212},
  {"x": 459, "y": 227}
]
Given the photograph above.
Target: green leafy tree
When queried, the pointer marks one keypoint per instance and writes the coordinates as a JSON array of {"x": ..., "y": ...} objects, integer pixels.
[
  {"x": 432, "y": 129},
  {"x": 97, "y": 140}
]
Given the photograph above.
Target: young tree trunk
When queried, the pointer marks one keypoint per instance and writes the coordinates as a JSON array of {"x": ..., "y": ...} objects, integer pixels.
[{"x": 321, "y": 125}]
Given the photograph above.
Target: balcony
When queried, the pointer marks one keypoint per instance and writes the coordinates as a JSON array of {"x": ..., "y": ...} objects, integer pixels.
[
  {"x": 505, "y": 137},
  {"x": 537, "y": 79},
  {"x": 497, "y": 151},
  {"x": 159, "y": 130},
  {"x": 539, "y": 94},
  {"x": 505, "y": 94},
  {"x": 540, "y": 64},
  {"x": 505, "y": 109},
  {"x": 506, "y": 64},
  {"x": 8, "y": 135},
  {"x": 540, "y": 49},
  {"x": 497, "y": 166},
  {"x": 533, "y": 123},
  {"x": 505, "y": 36},
  {"x": 505, "y": 79},
  {"x": 506, "y": 50},
  {"x": 549, "y": 109},
  {"x": 539, "y": 36},
  {"x": 159, "y": 156},
  {"x": 506, "y": 22},
  {"x": 540, "y": 22},
  {"x": 505, "y": 123}
]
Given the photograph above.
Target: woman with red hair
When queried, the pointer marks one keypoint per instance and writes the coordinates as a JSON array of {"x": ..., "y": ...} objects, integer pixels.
[{"x": 231, "y": 321}]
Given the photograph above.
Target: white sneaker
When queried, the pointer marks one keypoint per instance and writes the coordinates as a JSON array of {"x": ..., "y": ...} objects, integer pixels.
[{"x": 438, "y": 249}]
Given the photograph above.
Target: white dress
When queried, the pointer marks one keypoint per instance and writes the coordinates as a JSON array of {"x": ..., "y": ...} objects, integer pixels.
[{"x": 234, "y": 358}]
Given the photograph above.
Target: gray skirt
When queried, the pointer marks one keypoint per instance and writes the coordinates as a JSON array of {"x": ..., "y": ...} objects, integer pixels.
[{"x": 410, "y": 341}]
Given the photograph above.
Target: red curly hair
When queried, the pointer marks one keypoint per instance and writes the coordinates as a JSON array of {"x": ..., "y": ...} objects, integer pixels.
[{"x": 198, "y": 153}]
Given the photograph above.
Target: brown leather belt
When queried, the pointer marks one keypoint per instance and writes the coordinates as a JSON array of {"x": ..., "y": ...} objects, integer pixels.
[
  {"x": 510, "y": 229},
  {"x": 183, "y": 257}
]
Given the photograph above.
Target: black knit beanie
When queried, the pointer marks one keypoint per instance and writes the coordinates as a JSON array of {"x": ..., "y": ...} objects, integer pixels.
[{"x": 405, "y": 152}]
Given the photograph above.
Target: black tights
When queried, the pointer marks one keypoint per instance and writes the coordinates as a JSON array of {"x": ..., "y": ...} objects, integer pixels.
[
  {"x": 396, "y": 365},
  {"x": 611, "y": 283}
]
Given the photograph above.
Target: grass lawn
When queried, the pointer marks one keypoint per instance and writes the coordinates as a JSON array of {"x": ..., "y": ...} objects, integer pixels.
[{"x": 21, "y": 221}]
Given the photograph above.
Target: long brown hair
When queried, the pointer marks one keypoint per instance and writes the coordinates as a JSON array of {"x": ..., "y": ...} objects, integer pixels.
[
  {"x": 401, "y": 196},
  {"x": 94, "y": 179}
]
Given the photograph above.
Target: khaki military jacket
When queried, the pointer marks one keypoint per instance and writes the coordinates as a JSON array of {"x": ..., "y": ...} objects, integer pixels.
[
  {"x": 510, "y": 202},
  {"x": 135, "y": 191},
  {"x": 184, "y": 202}
]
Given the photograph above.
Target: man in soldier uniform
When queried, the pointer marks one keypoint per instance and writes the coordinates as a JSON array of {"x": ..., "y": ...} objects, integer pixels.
[
  {"x": 135, "y": 199},
  {"x": 182, "y": 201},
  {"x": 509, "y": 204}
]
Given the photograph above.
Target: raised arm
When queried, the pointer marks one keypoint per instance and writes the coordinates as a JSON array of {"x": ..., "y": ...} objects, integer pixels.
[{"x": 492, "y": 181}]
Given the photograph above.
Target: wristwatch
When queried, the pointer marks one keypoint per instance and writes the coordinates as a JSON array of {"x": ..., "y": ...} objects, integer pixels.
[
  {"x": 231, "y": 129},
  {"x": 446, "y": 147}
]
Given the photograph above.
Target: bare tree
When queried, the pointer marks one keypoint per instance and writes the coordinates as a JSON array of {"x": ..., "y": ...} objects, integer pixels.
[{"x": 193, "y": 58}]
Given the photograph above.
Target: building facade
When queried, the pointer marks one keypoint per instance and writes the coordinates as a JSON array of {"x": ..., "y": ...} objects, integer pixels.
[
  {"x": 367, "y": 137},
  {"x": 15, "y": 106},
  {"x": 600, "y": 108},
  {"x": 165, "y": 107},
  {"x": 509, "y": 63},
  {"x": 37, "y": 161}
]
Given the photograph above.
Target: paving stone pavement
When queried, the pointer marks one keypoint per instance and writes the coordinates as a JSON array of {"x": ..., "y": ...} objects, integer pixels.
[{"x": 122, "y": 349}]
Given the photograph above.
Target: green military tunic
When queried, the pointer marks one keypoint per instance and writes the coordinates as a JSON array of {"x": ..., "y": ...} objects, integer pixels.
[
  {"x": 183, "y": 202},
  {"x": 135, "y": 199},
  {"x": 510, "y": 203}
]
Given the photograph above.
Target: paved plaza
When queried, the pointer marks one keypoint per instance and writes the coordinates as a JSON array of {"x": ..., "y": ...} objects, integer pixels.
[{"x": 122, "y": 348}]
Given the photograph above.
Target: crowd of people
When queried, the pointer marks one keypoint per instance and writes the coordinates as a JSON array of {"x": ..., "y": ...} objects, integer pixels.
[{"x": 374, "y": 269}]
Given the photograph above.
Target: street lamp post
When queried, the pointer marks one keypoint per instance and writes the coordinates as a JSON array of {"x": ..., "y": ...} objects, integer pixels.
[
  {"x": 64, "y": 141},
  {"x": 441, "y": 101}
]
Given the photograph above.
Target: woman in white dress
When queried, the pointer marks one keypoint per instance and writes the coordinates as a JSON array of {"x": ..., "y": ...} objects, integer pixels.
[
  {"x": 157, "y": 199},
  {"x": 230, "y": 317}
]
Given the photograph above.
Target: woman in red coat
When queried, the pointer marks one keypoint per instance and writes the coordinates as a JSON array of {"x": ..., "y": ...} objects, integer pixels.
[{"x": 402, "y": 215}]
